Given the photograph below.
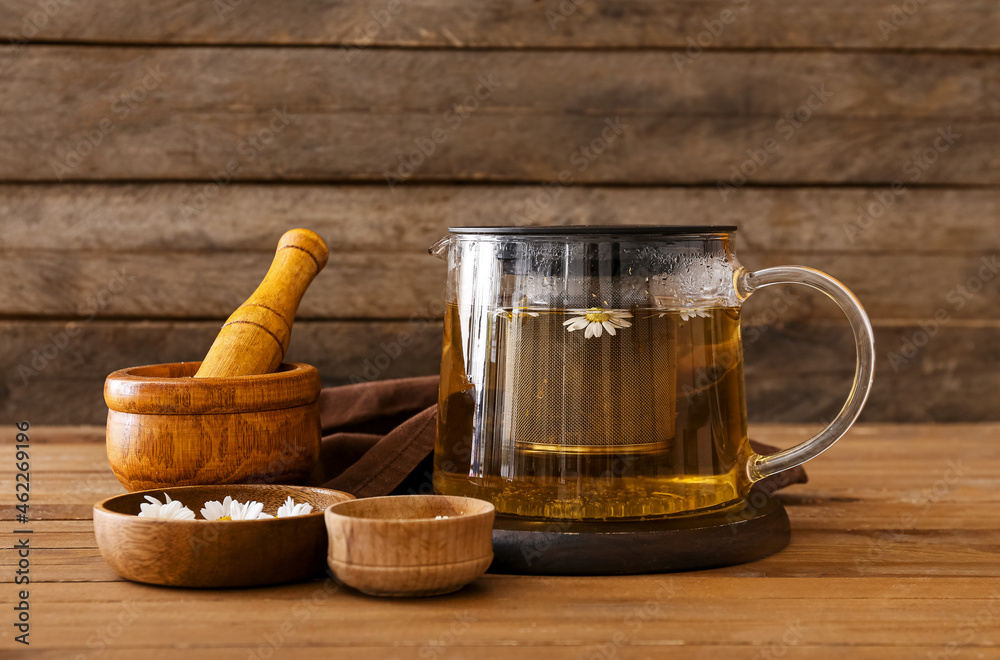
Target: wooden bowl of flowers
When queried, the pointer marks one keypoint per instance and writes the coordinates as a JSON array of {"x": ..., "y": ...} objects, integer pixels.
[{"x": 216, "y": 536}]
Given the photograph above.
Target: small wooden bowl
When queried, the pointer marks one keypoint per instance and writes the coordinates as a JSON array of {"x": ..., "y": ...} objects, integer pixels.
[
  {"x": 394, "y": 546},
  {"x": 168, "y": 429},
  {"x": 204, "y": 553}
]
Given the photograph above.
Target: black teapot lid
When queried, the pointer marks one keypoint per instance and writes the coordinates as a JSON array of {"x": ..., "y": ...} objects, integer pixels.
[{"x": 595, "y": 230}]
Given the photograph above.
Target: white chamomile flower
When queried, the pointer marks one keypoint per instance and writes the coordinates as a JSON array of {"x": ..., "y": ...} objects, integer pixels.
[
  {"x": 214, "y": 510},
  {"x": 688, "y": 314},
  {"x": 290, "y": 508},
  {"x": 170, "y": 510},
  {"x": 686, "y": 308},
  {"x": 249, "y": 511},
  {"x": 519, "y": 311},
  {"x": 595, "y": 321},
  {"x": 230, "y": 509}
]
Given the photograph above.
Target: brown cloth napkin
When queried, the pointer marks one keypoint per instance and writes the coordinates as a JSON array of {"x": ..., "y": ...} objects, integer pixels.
[{"x": 378, "y": 439}]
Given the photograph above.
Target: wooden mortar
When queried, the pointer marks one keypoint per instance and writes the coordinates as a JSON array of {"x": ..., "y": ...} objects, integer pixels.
[{"x": 239, "y": 416}]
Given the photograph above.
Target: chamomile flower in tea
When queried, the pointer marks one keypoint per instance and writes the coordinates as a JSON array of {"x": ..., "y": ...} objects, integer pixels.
[
  {"x": 516, "y": 312},
  {"x": 169, "y": 510},
  {"x": 595, "y": 321},
  {"x": 688, "y": 314}
]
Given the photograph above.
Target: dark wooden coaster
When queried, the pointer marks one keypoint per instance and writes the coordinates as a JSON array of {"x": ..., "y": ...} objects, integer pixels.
[{"x": 754, "y": 530}]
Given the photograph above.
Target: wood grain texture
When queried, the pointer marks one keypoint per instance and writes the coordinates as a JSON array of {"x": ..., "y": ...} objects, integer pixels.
[
  {"x": 955, "y": 24},
  {"x": 871, "y": 115},
  {"x": 795, "y": 372},
  {"x": 96, "y": 81},
  {"x": 216, "y": 553},
  {"x": 80, "y": 218},
  {"x": 404, "y": 285},
  {"x": 168, "y": 428},
  {"x": 254, "y": 339},
  {"x": 411, "y": 545},
  {"x": 127, "y": 240},
  {"x": 875, "y": 560},
  {"x": 636, "y": 651},
  {"x": 652, "y": 150},
  {"x": 75, "y": 373}
]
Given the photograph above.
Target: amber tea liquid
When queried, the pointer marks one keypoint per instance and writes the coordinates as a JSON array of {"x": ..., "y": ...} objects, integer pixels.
[{"x": 648, "y": 422}]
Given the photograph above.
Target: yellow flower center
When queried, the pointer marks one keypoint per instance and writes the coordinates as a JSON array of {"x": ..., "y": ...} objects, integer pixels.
[
  {"x": 224, "y": 518},
  {"x": 597, "y": 316}
]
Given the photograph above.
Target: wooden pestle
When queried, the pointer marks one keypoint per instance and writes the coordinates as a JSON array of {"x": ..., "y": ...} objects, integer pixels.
[{"x": 255, "y": 337}]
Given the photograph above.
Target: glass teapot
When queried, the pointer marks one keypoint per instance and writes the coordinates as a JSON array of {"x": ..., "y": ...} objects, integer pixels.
[{"x": 596, "y": 373}]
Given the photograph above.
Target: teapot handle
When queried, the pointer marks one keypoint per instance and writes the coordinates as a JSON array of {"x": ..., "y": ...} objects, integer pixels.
[{"x": 760, "y": 467}]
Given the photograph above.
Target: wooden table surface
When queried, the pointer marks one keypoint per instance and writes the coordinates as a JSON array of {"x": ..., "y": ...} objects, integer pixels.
[{"x": 895, "y": 553}]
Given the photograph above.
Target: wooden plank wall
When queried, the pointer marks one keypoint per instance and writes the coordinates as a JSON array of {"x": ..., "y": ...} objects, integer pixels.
[{"x": 153, "y": 153}]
